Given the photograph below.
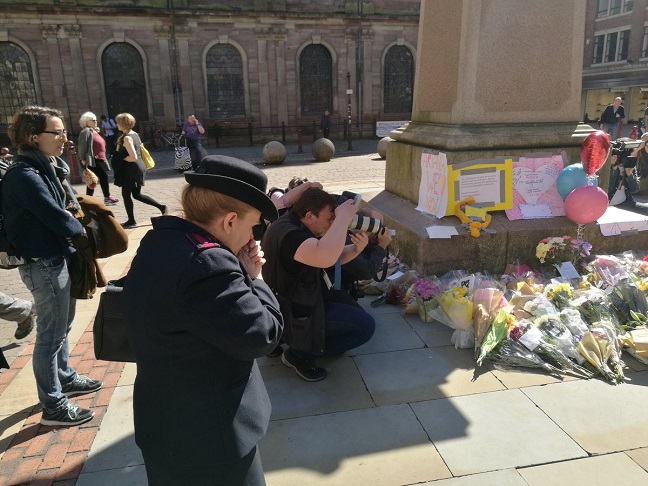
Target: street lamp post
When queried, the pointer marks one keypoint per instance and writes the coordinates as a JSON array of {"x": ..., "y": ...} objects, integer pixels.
[{"x": 349, "y": 92}]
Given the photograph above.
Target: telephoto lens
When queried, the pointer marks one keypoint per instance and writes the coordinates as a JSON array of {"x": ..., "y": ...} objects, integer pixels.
[{"x": 365, "y": 223}]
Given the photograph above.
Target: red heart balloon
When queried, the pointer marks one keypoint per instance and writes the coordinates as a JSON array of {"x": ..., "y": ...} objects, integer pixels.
[{"x": 594, "y": 151}]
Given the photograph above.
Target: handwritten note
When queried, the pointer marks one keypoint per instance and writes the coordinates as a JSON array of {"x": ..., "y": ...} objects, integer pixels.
[
  {"x": 534, "y": 187},
  {"x": 438, "y": 231},
  {"x": 433, "y": 189}
]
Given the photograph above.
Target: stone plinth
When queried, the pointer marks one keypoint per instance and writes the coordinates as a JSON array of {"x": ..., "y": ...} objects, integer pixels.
[
  {"x": 274, "y": 153},
  {"x": 513, "y": 242},
  {"x": 323, "y": 150}
]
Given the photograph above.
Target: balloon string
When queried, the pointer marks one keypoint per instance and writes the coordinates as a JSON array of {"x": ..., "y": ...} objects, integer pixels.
[
  {"x": 591, "y": 180},
  {"x": 579, "y": 232}
]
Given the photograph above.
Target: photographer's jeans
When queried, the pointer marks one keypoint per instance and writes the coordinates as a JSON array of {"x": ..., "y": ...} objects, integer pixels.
[
  {"x": 611, "y": 129},
  {"x": 347, "y": 327},
  {"x": 49, "y": 282}
]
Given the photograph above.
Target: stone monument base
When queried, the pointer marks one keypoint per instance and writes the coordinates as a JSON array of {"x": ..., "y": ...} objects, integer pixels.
[{"x": 513, "y": 241}]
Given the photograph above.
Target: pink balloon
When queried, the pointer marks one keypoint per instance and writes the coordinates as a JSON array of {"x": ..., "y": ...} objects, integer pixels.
[
  {"x": 594, "y": 151},
  {"x": 586, "y": 204}
]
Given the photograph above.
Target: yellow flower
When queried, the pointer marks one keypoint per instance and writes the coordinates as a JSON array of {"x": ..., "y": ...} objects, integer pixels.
[{"x": 541, "y": 251}]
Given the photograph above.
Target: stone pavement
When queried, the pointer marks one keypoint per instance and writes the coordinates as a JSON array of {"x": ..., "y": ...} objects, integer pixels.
[{"x": 405, "y": 408}]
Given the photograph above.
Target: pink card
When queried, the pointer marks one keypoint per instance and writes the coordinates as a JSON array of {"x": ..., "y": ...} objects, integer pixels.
[{"x": 534, "y": 187}]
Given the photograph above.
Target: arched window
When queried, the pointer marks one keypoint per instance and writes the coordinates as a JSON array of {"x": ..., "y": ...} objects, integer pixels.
[
  {"x": 125, "y": 83},
  {"x": 225, "y": 90},
  {"x": 315, "y": 80},
  {"x": 399, "y": 80},
  {"x": 17, "y": 87}
]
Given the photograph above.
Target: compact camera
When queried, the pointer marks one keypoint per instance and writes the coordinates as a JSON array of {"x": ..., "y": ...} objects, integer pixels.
[{"x": 622, "y": 149}]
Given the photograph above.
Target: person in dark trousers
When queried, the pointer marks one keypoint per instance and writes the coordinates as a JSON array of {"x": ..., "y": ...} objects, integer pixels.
[
  {"x": 193, "y": 131},
  {"x": 325, "y": 124},
  {"x": 612, "y": 115},
  {"x": 198, "y": 316},
  {"x": 37, "y": 205},
  {"x": 129, "y": 169},
  {"x": 299, "y": 246}
]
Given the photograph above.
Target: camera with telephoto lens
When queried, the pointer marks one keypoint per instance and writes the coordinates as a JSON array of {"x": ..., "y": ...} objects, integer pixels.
[
  {"x": 360, "y": 222},
  {"x": 622, "y": 149}
]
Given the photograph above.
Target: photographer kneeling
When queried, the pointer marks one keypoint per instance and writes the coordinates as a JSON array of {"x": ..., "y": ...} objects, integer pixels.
[
  {"x": 623, "y": 175},
  {"x": 298, "y": 247}
]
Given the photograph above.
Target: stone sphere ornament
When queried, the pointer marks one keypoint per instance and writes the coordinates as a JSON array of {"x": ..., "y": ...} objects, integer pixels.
[
  {"x": 323, "y": 150},
  {"x": 382, "y": 146},
  {"x": 274, "y": 153}
]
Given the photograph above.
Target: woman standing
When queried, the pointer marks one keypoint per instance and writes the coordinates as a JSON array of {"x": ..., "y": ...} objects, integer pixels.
[
  {"x": 35, "y": 198},
  {"x": 197, "y": 317},
  {"x": 129, "y": 168},
  {"x": 91, "y": 150}
]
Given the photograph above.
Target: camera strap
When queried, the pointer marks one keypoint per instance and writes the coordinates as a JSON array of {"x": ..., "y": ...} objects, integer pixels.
[{"x": 383, "y": 269}]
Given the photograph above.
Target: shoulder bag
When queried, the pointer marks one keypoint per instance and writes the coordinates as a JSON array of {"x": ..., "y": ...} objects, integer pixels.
[{"x": 109, "y": 330}]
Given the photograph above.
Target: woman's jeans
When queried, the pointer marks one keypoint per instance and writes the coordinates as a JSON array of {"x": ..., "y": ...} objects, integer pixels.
[{"x": 49, "y": 282}]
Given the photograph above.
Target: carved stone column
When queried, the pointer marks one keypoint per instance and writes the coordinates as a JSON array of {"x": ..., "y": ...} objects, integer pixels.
[
  {"x": 264, "y": 82},
  {"x": 81, "y": 94},
  {"x": 182, "y": 34},
  {"x": 163, "y": 34},
  {"x": 366, "y": 96},
  {"x": 351, "y": 41},
  {"x": 51, "y": 34}
]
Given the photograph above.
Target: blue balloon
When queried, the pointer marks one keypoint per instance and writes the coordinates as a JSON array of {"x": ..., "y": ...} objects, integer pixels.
[{"x": 570, "y": 178}]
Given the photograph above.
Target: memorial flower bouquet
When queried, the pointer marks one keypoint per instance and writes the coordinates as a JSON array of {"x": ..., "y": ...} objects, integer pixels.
[
  {"x": 486, "y": 304},
  {"x": 426, "y": 292},
  {"x": 559, "y": 294},
  {"x": 556, "y": 250},
  {"x": 458, "y": 309}
]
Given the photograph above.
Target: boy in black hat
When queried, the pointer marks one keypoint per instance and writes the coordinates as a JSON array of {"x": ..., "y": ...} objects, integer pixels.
[{"x": 197, "y": 318}]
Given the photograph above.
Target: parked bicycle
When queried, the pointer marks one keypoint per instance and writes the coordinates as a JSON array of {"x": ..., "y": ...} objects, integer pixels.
[{"x": 159, "y": 139}]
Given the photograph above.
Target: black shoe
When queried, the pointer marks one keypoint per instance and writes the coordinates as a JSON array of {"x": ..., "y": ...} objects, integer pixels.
[
  {"x": 278, "y": 351},
  {"x": 80, "y": 386},
  {"x": 72, "y": 414},
  {"x": 26, "y": 326},
  {"x": 129, "y": 224},
  {"x": 305, "y": 368}
]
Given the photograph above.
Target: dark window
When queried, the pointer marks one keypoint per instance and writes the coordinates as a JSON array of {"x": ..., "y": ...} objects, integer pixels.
[
  {"x": 644, "y": 47},
  {"x": 125, "y": 83},
  {"x": 16, "y": 81},
  {"x": 615, "y": 7},
  {"x": 624, "y": 40},
  {"x": 315, "y": 80},
  {"x": 399, "y": 80},
  {"x": 611, "y": 48},
  {"x": 225, "y": 90},
  {"x": 599, "y": 42},
  {"x": 628, "y": 5}
]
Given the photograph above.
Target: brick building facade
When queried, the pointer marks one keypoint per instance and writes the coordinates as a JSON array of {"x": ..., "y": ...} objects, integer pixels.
[{"x": 230, "y": 62}]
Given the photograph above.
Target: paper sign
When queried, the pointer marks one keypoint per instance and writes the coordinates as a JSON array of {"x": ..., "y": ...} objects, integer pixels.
[
  {"x": 441, "y": 231},
  {"x": 567, "y": 270},
  {"x": 616, "y": 221},
  {"x": 535, "y": 211},
  {"x": 395, "y": 275},
  {"x": 433, "y": 189},
  {"x": 475, "y": 212},
  {"x": 467, "y": 283},
  {"x": 531, "y": 338},
  {"x": 489, "y": 181},
  {"x": 534, "y": 184}
]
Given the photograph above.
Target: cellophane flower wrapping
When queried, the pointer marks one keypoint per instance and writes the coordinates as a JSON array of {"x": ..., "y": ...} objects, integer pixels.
[
  {"x": 534, "y": 340},
  {"x": 486, "y": 304},
  {"x": 426, "y": 292},
  {"x": 626, "y": 299},
  {"x": 551, "y": 325},
  {"x": 539, "y": 306},
  {"x": 609, "y": 269},
  {"x": 573, "y": 321},
  {"x": 458, "y": 309},
  {"x": 512, "y": 353},
  {"x": 596, "y": 349},
  {"x": 559, "y": 294},
  {"x": 496, "y": 333}
]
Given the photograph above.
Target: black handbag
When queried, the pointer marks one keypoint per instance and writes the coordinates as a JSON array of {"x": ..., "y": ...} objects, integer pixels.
[{"x": 110, "y": 340}]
